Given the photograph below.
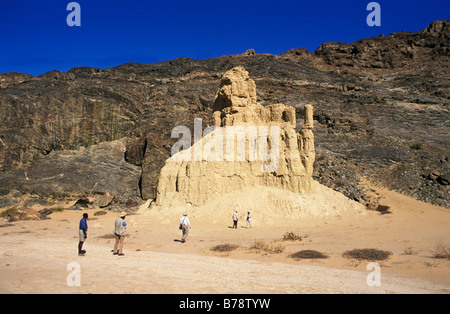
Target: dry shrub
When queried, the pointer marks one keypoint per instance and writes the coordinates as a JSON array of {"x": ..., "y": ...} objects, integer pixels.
[
  {"x": 308, "y": 254},
  {"x": 383, "y": 209},
  {"x": 416, "y": 145},
  {"x": 291, "y": 236},
  {"x": 409, "y": 251},
  {"x": 8, "y": 212},
  {"x": 338, "y": 183},
  {"x": 267, "y": 247},
  {"x": 224, "y": 247},
  {"x": 368, "y": 254},
  {"x": 441, "y": 251}
]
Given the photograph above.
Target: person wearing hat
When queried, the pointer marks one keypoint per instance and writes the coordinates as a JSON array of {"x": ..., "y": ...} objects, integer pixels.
[
  {"x": 185, "y": 225},
  {"x": 120, "y": 231}
]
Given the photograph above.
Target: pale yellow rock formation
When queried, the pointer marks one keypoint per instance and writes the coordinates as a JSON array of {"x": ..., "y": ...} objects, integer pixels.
[{"x": 252, "y": 145}]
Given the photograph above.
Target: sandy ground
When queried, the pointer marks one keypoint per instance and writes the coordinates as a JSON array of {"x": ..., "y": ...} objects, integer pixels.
[{"x": 36, "y": 256}]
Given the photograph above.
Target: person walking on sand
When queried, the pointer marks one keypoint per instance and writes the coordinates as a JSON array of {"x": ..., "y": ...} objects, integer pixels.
[
  {"x": 249, "y": 220},
  {"x": 120, "y": 231},
  {"x": 82, "y": 233},
  {"x": 185, "y": 225},
  {"x": 235, "y": 219}
]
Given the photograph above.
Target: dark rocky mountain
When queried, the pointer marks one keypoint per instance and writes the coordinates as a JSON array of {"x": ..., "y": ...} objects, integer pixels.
[{"x": 381, "y": 105}]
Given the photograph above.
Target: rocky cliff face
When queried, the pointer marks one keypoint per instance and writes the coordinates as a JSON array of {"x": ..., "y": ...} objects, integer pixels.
[
  {"x": 250, "y": 145},
  {"x": 91, "y": 171},
  {"x": 381, "y": 112}
]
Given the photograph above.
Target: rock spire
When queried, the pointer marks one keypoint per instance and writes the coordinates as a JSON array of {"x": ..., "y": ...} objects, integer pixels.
[{"x": 250, "y": 145}]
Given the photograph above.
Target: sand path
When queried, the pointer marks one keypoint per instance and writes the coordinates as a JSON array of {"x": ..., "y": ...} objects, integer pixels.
[
  {"x": 34, "y": 255},
  {"x": 34, "y": 270}
]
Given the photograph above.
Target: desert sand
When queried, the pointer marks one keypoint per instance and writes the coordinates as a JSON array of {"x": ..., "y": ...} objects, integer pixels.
[{"x": 35, "y": 255}]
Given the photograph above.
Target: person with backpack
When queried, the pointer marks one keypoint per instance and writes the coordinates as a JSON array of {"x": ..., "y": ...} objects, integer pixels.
[
  {"x": 185, "y": 225},
  {"x": 120, "y": 231}
]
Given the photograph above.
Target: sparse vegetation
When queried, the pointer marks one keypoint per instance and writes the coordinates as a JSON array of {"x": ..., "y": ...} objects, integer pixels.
[
  {"x": 59, "y": 208},
  {"x": 409, "y": 251},
  {"x": 224, "y": 247},
  {"x": 7, "y": 212},
  {"x": 383, "y": 209},
  {"x": 416, "y": 145},
  {"x": 267, "y": 247},
  {"x": 291, "y": 236},
  {"x": 338, "y": 183},
  {"x": 308, "y": 254},
  {"x": 441, "y": 251},
  {"x": 368, "y": 254}
]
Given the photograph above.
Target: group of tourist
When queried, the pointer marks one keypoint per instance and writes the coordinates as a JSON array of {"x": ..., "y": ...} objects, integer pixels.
[
  {"x": 120, "y": 230},
  {"x": 236, "y": 218}
]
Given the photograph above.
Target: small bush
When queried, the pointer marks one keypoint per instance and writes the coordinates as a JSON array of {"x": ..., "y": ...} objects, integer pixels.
[
  {"x": 409, "y": 251},
  {"x": 59, "y": 208},
  {"x": 383, "y": 209},
  {"x": 416, "y": 145},
  {"x": 368, "y": 254},
  {"x": 8, "y": 212},
  {"x": 267, "y": 247},
  {"x": 308, "y": 254},
  {"x": 291, "y": 236},
  {"x": 338, "y": 183},
  {"x": 224, "y": 248},
  {"x": 441, "y": 251}
]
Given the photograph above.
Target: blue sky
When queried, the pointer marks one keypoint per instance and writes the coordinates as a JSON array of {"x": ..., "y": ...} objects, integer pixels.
[{"x": 35, "y": 38}]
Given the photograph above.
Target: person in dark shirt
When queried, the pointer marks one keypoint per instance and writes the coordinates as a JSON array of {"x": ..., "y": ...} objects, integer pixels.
[{"x": 82, "y": 233}]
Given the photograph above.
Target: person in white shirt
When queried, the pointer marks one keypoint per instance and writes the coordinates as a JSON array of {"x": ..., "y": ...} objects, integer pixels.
[
  {"x": 249, "y": 220},
  {"x": 185, "y": 225},
  {"x": 120, "y": 231}
]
